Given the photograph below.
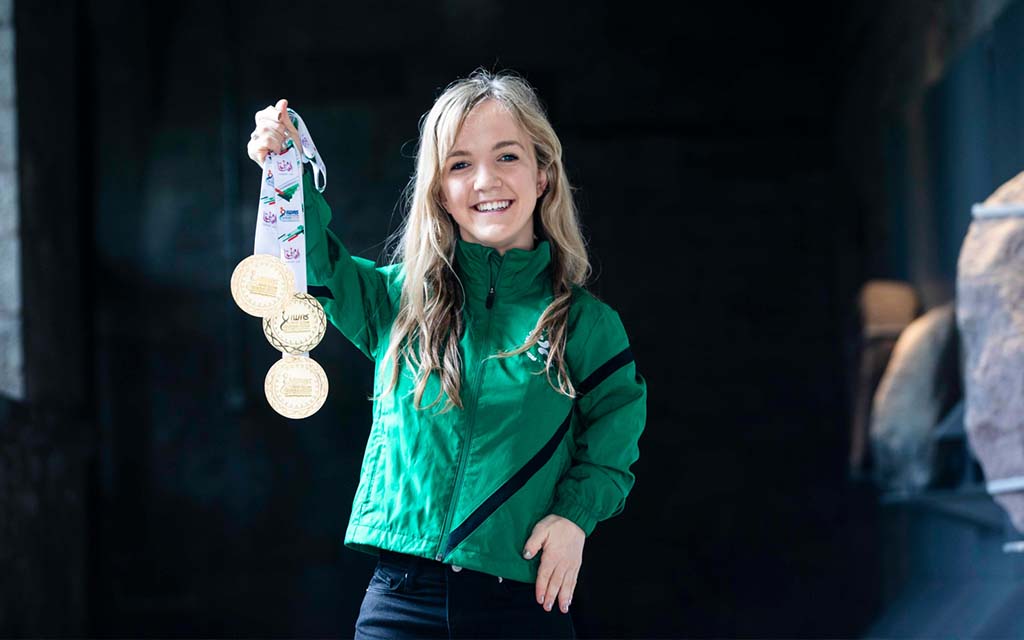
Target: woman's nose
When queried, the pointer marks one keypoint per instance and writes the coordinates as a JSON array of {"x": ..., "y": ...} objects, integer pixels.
[{"x": 486, "y": 179}]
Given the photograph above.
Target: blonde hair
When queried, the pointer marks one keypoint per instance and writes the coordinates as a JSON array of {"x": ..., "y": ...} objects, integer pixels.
[{"x": 429, "y": 324}]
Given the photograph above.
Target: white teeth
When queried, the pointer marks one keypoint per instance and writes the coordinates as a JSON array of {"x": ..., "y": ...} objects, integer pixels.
[{"x": 493, "y": 206}]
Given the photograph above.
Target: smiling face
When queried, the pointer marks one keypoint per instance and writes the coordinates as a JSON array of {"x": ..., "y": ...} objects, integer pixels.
[{"x": 490, "y": 181}]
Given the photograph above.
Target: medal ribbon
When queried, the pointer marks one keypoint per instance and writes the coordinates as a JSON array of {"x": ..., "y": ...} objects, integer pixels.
[{"x": 281, "y": 215}]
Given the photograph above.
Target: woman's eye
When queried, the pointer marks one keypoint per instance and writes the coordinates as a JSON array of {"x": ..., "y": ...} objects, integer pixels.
[
  {"x": 512, "y": 156},
  {"x": 458, "y": 165}
]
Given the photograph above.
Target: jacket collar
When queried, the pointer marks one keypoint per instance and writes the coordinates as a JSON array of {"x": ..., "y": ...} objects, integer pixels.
[{"x": 516, "y": 273}]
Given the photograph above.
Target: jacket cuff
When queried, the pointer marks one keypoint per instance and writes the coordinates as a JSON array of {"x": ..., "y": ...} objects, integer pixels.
[{"x": 574, "y": 511}]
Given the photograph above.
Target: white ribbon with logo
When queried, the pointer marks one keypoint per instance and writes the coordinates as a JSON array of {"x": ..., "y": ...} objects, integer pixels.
[{"x": 281, "y": 218}]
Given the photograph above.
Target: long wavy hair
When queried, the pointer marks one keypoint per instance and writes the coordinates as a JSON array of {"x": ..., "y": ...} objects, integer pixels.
[{"x": 429, "y": 324}]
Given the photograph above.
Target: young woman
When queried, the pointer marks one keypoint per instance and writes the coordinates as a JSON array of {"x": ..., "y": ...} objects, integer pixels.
[{"x": 507, "y": 407}]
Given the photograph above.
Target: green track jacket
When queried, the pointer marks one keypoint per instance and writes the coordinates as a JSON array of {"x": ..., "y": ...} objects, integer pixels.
[{"x": 467, "y": 487}]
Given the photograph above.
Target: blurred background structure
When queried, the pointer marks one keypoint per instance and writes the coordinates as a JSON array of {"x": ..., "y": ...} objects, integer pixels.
[{"x": 744, "y": 170}]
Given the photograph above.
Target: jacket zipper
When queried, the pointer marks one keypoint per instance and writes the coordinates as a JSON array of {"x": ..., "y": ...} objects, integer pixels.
[{"x": 469, "y": 431}]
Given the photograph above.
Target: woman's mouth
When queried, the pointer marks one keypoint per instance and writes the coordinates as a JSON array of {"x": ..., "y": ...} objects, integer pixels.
[{"x": 494, "y": 206}]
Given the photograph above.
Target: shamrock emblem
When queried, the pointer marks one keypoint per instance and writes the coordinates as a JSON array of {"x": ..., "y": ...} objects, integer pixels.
[{"x": 543, "y": 346}]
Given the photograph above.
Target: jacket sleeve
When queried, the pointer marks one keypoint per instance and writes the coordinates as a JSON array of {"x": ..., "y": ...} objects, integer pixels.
[
  {"x": 352, "y": 290},
  {"x": 612, "y": 405}
]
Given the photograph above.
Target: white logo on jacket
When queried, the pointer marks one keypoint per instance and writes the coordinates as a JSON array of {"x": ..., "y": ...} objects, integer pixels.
[{"x": 543, "y": 346}]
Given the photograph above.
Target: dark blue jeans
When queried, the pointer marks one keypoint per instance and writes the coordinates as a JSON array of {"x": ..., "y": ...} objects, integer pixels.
[{"x": 412, "y": 597}]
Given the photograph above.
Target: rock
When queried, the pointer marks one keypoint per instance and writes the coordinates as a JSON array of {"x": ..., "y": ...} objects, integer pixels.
[
  {"x": 920, "y": 384},
  {"x": 990, "y": 312}
]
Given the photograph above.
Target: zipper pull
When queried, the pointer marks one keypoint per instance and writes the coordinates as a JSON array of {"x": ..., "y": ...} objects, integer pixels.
[{"x": 490, "y": 297}]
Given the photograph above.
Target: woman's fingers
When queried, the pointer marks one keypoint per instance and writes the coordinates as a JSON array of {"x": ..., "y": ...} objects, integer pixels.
[
  {"x": 268, "y": 120},
  {"x": 272, "y": 134},
  {"x": 284, "y": 118},
  {"x": 554, "y": 586},
  {"x": 287, "y": 124},
  {"x": 257, "y": 151},
  {"x": 269, "y": 112},
  {"x": 568, "y": 588},
  {"x": 273, "y": 128},
  {"x": 261, "y": 144},
  {"x": 265, "y": 138},
  {"x": 267, "y": 124}
]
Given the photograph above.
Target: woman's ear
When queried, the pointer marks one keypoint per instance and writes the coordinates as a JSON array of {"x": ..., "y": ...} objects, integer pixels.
[{"x": 542, "y": 182}]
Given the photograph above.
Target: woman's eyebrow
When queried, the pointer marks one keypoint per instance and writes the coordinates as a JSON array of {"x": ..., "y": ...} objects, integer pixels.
[{"x": 499, "y": 145}]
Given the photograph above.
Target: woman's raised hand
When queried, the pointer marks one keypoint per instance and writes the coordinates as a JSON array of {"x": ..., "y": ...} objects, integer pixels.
[{"x": 273, "y": 127}]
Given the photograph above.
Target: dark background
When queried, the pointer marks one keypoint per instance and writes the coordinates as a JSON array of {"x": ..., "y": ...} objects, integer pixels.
[{"x": 735, "y": 169}]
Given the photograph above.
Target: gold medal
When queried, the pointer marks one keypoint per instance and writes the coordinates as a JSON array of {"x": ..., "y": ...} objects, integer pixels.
[
  {"x": 297, "y": 326},
  {"x": 296, "y": 386},
  {"x": 261, "y": 283}
]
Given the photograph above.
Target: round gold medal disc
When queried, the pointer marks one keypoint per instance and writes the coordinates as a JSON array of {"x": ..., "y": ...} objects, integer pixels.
[
  {"x": 296, "y": 386},
  {"x": 261, "y": 283},
  {"x": 298, "y": 326}
]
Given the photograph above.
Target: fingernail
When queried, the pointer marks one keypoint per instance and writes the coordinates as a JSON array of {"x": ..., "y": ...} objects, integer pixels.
[
  {"x": 565, "y": 608},
  {"x": 527, "y": 554}
]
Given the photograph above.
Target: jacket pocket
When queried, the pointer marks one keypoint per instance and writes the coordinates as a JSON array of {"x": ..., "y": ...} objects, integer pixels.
[{"x": 370, "y": 468}]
